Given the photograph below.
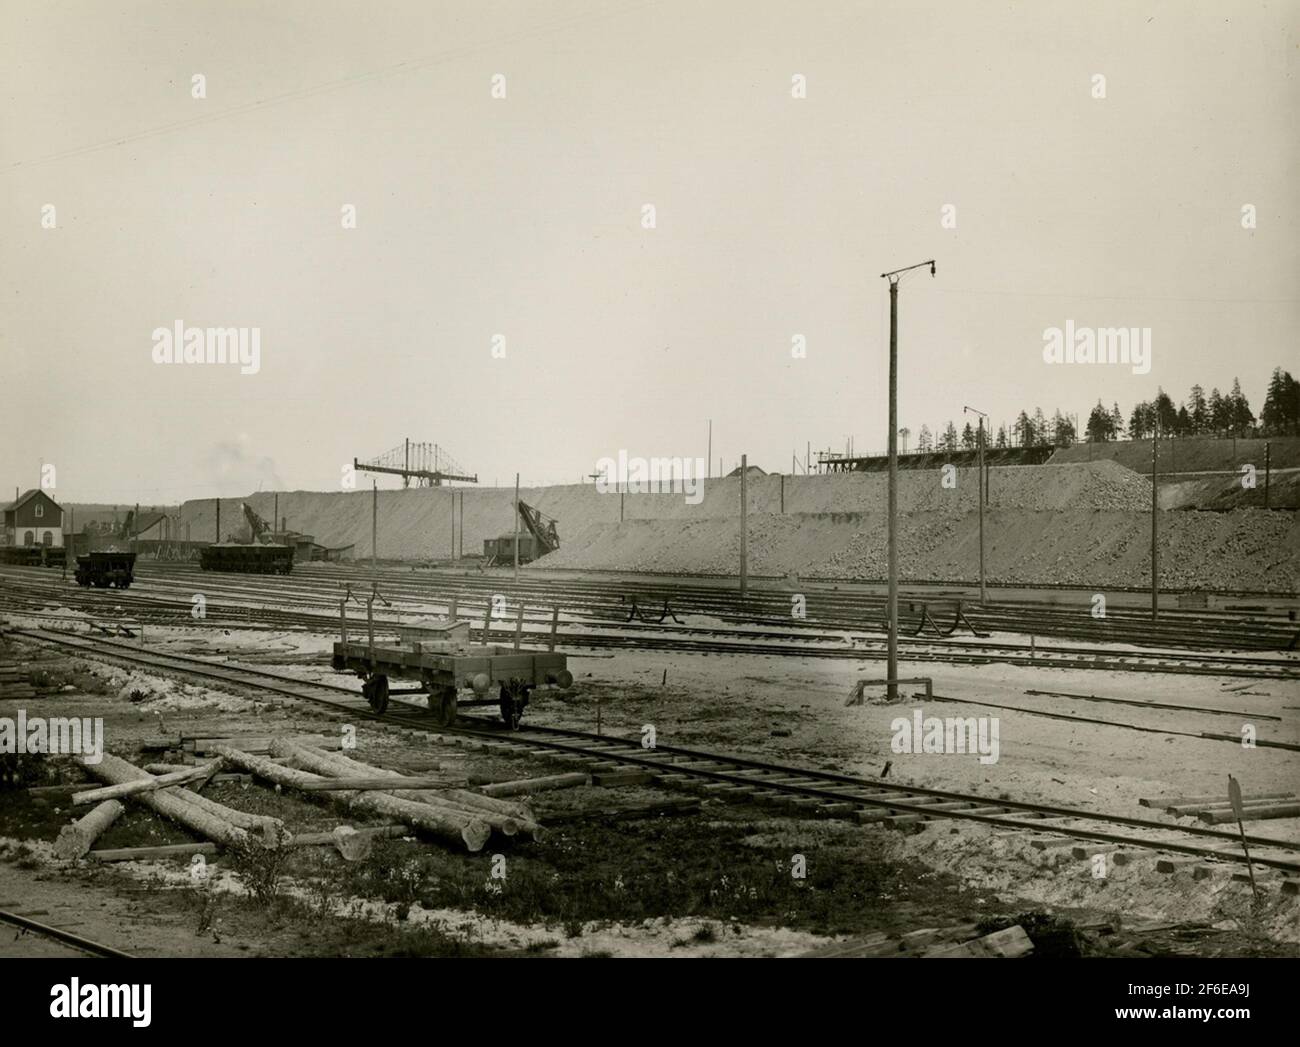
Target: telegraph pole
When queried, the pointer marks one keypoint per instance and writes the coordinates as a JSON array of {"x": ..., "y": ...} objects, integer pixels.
[
  {"x": 1155, "y": 562},
  {"x": 893, "y": 278},
  {"x": 744, "y": 528},
  {"x": 374, "y": 529},
  {"x": 981, "y": 492},
  {"x": 708, "y": 461},
  {"x": 516, "y": 527}
]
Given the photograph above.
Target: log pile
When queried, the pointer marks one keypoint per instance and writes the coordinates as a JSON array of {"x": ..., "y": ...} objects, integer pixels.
[
  {"x": 220, "y": 824},
  {"x": 442, "y": 821},
  {"x": 504, "y": 816}
]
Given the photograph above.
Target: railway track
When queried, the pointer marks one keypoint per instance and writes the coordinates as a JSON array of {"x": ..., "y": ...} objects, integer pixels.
[
  {"x": 825, "y": 609},
  {"x": 865, "y": 800},
  {"x": 809, "y": 639},
  {"x": 75, "y": 941}
]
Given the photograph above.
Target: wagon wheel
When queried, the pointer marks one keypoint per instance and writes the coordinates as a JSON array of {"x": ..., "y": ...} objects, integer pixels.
[{"x": 376, "y": 693}]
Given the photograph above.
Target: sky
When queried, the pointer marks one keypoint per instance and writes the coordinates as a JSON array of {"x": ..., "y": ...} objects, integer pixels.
[{"x": 502, "y": 293}]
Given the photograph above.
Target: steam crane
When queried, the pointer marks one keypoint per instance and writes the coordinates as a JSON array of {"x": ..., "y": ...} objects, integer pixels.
[
  {"x": 541, "y": 527},
  {"x": 258, "y": 529}
]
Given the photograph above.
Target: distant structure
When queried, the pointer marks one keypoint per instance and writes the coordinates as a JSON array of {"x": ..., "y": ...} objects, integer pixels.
[
  {"x": 753, "y": 470},
  {"x": 428, "y": 464},
  {"x": 33, "y": 518}
]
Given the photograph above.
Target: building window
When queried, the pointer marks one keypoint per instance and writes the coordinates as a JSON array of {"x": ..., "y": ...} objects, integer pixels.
[
  {"x": 40, "y": 510},
  {"x": 47, "y": 538},
  {"x": 29, "y": 538}
]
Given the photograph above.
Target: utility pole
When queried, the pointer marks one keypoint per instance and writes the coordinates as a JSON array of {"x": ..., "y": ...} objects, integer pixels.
[
  {"x": 708, "y": 461},
  {"x": 980, "y": 445},
  {"x": 453, "y": 525},
  {"x": 218, "y": 541},
  {"x": 516, "y": 527},
  {"x": 744, "y": 529},
  {"x": 461, "y": 554},
  {"x": 893, "y": 278},
  {"x": 1266, "y": 470},
  {"x": 374, "y": 529},
  {"x": 1155, "y": 562},
  {"x": 275, "y": 515}
]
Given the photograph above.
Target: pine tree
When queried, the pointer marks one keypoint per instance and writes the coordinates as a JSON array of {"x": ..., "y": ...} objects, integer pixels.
[
  {"x": 968, "y": 437},
  {"x": 1002, "y": 436},
  {"x": 1116, "y": 421},
  {"x": 1099, "y": 427}
]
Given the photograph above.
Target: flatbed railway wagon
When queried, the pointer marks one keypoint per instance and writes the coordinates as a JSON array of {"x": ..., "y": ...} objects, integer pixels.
[
  {"x": 445, "y": 663},
  {"x": 102, "y": 569},
  {"x": 247, "y": 559}
]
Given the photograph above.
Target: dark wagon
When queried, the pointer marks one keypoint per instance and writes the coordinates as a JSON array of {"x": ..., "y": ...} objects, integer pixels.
[
  {"x": 104, "y": 569},
  {"x": 247, "y": 559}
]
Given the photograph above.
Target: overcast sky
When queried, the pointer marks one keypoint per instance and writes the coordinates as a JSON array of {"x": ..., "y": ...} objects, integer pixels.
[{"x": 522, "y": 216}]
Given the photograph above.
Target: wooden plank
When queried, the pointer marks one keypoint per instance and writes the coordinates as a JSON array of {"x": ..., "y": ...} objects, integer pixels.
[{"x": 1249, "y": 814}]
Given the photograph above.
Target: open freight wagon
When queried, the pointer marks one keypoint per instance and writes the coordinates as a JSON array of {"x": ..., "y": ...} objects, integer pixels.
[
  {"x": 103, "y": 568},
  {"x": 445, "y": 663},
  {"x": 247, "y": 559}
]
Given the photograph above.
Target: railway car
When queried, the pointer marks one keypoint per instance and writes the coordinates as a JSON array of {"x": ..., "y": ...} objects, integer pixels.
[
  {"x": 445, "y": 663},
  {"x": 102, "y": 569},
  {"x": 33, "y": 555},
  {"x": 247, "y": 559}
]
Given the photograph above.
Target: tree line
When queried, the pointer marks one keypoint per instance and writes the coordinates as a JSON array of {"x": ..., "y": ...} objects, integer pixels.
[{"x": 1217, "y": 414}]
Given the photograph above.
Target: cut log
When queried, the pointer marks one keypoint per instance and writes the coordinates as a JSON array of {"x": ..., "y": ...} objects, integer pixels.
[
  {"x": 146, "y": 784},
  {"x": 1010, "y": 942},
  {"x": 185, "y": 850},
  {"x": 440, "y": 822},
  {"x": 75, "y": 840},
  {"x": 114, "y": 770},
  {"x": 145, "y": 854},
  {"x": 535, "y": 785},
  {"x": 271, "y": 830},
  {"x": 509, "y": 818},
  {"x": 375, "y": 784}
]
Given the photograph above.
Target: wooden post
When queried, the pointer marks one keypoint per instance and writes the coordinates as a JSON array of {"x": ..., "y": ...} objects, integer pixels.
[
  {"x": 461, "y": 554},
  {"x": 374, "y": 530},
  {"x": 452, "y": 616},
  {"x": 343, "y": 619},
  {"x": 453, "y": 525},
  {"x": 516, "y": 527},
  {"x": 783, "y": 493},
  {"x": 519, "y": 625},
  {"x": 218, "y": 539},
  {"x": 744, "y": 524},
  {"x": 487, "y": 620},
  {"x": 1266, "y": 471},
  {"x": 555, "y": 624},
  {"x": 275, "y": 515}
]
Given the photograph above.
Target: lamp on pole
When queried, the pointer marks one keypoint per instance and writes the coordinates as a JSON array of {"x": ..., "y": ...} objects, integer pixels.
[
  {"x": 893, "y": 278},
  {"x": 980, "y": 445}
]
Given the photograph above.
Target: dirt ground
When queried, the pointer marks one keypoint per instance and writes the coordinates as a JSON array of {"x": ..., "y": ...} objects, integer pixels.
[{"x": 717, "y": 882}]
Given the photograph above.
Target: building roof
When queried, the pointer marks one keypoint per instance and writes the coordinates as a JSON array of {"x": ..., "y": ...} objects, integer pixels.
[
  {"x": 25, "y": 497},
  {"x": 752, "y": 470}
]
